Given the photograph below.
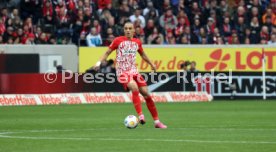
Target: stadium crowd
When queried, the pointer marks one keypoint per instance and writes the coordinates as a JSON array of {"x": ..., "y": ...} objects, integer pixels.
[{"x": 98, "y": 22}]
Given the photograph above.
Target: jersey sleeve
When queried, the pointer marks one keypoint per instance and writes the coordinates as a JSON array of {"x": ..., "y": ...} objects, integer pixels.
[
  {"x": 114, "y": 44},
  {"x": 140, "y": 47}
]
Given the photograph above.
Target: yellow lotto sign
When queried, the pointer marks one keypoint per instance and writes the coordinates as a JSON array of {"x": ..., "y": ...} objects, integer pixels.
[{"x": 207, "y": 59}]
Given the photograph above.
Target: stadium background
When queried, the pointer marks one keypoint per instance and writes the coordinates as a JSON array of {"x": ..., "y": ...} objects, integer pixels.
[{"x": 231, "y": 37}]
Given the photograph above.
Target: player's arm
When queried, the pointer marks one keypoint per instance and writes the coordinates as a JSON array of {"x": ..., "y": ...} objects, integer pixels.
[
  {"x": 103, "y": 58},
  {"x": 145, "y": 58},
  {"x": 111, "y": 47}
]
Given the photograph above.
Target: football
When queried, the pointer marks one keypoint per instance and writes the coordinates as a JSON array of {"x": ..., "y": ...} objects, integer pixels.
[{"x": 131, "y": 121}]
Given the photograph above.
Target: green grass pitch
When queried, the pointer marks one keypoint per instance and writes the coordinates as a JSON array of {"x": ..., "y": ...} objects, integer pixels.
[{"x": 220, "y": 126}]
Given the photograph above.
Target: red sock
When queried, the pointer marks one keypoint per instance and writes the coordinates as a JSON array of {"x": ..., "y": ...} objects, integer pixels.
[
  {"x": 152, "y": 108},
  {"x": 137, "y": 102}
]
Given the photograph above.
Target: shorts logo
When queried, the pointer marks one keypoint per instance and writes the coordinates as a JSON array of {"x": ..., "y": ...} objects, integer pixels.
[{"x": 218, "y": 60}]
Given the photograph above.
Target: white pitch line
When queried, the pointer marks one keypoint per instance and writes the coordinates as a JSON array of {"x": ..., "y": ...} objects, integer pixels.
[
  {"x": 229, "y": 129},
  {"x": 149, "y": 139},
  {"x": 42, "y": 138},
  {"x": 52, "y": 130},
  {"x": 5, "y": 132}
]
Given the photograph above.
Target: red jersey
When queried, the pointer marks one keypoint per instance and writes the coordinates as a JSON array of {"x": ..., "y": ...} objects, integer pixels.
[{"x": 126, "y": 54}]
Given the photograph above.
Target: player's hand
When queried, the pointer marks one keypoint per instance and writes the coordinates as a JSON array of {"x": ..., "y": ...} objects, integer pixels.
[
  {"x": 153, "y": 67},
  {"x": 97, "y": 66}
]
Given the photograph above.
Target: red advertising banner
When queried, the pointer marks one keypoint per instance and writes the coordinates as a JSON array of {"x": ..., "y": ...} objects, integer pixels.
[{"x": 93, "y": 98}]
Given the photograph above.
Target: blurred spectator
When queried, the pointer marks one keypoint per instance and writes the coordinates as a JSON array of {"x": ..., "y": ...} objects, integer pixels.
[
  {"x": 97, "y": 25},
  {"x": 139, "y": 33},
  {"x": 93, "y": 38},
  {"x": 109, "y": 38},
  {"x": 247, "y": 41},
  {"x": 184, "y": 65},
  {"x": 196, "y": 26},
  {"x": 168, "y": 21},
  {"x": 82, "y": 40},
  {"x": 47, "y": 8},
  {"x": 63, "y": 23},
  {"x": 213, "y": 37},
  {"x": 204, "y": 40},
  {"x": 200, "y": 35},
  {"x": 103, "y": 4},
  {"x": 1, "y": 40},
  {"x": 255, "y": 13},
  {"x": 152, "y": 15},
  {"x": 14, "y": 14},
  {"x": 240, "y": 28},
  {"x": 170, "y": 39},
  {"x": 182, "y": 15},
  {"x": 52, "y": 40},
  {"x": 150, "y": 8},
  {"x": 42, "y": 39},
  {"x": 2, "y": 27},
  {"x": 10, "y": 40},
  {"x": 264, "y": 34},
  {"x": 124, "y": 9},
  {"x": 233, "y": 39},
  {"x": 9, "y": 34},
  {"x": 248, "y": 36},
  {"x": 195, "y": 10},
  {"x": 269, "y": 14},
  {"x": 241, "y": 13},
  {"x": 218, "y": 40},
  {"x": 107, "y": 67},
  {"x": 158, "y": 40},
  {"x": 255, "y": 30},
  {"x": 166, "y": 5},
  {"x": 184, "y": 40},
  {"x": 209, "y": 28},
  {"x": 272, "y": 39},
  {"x": 180, "y": 26},
  {"x": 155, "y": 37},
  {"x": 30, "y": 39},
  {"x": 193, "y": 67},
  {"x": 224, "y": 7},
  {"x": 149, "y": 27},
  {"x": 226, "y": 28},
  {"x": 20, "y": 36},
  {"x": 263, "y": 41},
  {"x": 137, "y": 16}
]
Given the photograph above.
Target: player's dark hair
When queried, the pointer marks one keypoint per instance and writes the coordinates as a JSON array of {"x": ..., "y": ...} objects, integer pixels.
[
  {"x": 128, "y": 22},
  {"x": 185, "y": 64}
]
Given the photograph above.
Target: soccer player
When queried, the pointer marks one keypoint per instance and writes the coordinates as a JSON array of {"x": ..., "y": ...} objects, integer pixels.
[{"x": 127, "y": 46}]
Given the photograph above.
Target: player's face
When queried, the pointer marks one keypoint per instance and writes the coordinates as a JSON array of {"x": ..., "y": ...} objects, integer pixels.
[{"x": 129, "y": 30}]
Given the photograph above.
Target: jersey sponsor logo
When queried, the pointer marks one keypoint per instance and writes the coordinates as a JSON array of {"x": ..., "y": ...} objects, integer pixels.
[{"x": 128, "y": 47}]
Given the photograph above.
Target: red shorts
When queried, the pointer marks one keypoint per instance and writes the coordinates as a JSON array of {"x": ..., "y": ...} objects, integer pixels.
[{"x": 125, "y": 78}]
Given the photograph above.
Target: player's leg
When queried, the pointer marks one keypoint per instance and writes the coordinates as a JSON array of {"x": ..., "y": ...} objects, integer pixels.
[
  {"x": 143, "y": 89},
  {"x": 151, "y": 106},
  {"x": 133, "y": 87},
  {"x": 149, "y": 102},
  {"x": 128, "y": 83}
]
